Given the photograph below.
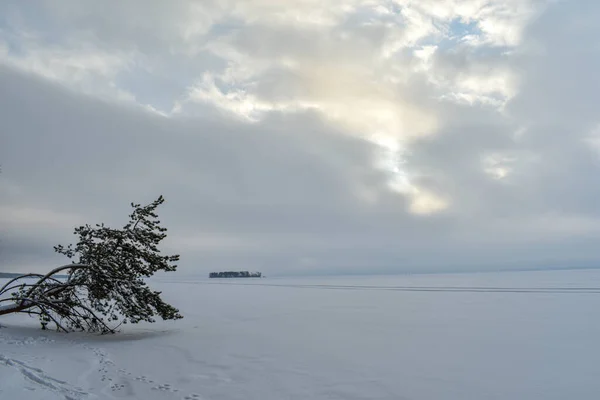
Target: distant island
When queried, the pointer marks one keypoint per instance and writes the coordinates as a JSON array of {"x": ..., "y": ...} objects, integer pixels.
[
  {"x": 235, "y": 274},
  {"x": 9, "y": 275}
]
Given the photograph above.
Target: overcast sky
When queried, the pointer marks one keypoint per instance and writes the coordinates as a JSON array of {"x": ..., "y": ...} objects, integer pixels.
[{"x": 306, "y": 136}]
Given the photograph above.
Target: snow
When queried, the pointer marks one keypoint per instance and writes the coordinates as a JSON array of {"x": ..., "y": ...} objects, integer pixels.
[
  {"x": 329, "y": 338},
  {"x": 7, "y": 307}
]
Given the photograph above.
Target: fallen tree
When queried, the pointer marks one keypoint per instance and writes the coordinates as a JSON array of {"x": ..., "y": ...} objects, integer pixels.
[{"x": 105, "y": 286}]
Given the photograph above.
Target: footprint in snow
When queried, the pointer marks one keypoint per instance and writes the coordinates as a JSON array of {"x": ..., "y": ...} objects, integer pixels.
[{"x": 40, "y": 378}]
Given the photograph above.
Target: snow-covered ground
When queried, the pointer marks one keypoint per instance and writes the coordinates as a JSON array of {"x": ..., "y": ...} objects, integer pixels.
[{"x": 330, "y": 338}]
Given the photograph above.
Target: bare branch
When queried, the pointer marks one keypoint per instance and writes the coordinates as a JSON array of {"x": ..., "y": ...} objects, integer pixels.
[
  {"x": 60, "y": 269},
  {"x": 18, "y": 278}
]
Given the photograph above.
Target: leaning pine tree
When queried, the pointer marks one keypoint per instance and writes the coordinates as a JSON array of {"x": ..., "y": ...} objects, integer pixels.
[{"x": 104, "y": 287}]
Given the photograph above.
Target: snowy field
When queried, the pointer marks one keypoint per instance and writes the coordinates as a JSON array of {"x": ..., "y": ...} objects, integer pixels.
[{"x": 534, "y": 336}]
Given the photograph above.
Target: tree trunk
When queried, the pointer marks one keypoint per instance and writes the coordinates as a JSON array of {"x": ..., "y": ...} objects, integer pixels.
[{"x": 14, "y": 308}]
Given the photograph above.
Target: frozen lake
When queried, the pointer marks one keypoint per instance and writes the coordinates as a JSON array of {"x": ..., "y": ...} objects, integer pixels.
[{"x": 521, "y": 335}]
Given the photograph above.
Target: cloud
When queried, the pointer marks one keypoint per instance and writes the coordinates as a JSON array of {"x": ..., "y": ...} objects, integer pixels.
[{"x": 306, "y": 137}]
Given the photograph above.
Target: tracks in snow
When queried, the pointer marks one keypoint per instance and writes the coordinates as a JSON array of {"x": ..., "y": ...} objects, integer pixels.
[
  {"x": 459, "y": 289},
  {"x": 101, "y": 379},
  {"x": 39, "y": 377}
]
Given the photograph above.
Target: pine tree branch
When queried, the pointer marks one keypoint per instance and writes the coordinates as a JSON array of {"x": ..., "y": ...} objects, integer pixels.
[{"x": 107, "y": 284}]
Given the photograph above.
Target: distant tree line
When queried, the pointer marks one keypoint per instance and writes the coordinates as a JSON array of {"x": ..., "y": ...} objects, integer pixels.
[{"x": 235, "y": 274}]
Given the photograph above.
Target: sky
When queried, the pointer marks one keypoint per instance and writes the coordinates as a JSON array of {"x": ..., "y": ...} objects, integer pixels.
[{"x": 306, "y": 137}]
